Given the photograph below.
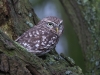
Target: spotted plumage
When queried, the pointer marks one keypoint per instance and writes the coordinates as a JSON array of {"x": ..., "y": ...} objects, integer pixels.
[{"x": 43, "y": 37}]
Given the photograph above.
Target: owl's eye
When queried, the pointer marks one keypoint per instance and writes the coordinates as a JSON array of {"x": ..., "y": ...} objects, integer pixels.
[
  {"x": 60, "y": 25},
  {"x": 50, "y": 24}
]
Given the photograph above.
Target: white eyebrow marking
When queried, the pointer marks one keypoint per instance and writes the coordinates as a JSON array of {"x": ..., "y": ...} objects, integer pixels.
[
  {"x": 61, "y": 21},
  {"x": 45, "y": 19}
]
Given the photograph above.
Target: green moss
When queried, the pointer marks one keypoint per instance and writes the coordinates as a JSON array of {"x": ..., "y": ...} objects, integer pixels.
[{"x": 91, "y": 13}]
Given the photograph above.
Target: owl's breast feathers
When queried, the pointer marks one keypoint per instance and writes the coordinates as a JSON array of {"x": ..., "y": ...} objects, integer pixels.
[{"x": 38, "y": 40}]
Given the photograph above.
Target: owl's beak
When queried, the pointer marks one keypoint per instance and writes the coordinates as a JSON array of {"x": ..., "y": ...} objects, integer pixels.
[{"x": 57, "y": 29}]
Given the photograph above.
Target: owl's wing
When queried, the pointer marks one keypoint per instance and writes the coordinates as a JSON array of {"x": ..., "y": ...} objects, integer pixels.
[
  {"x": 26, "y": 35},
  {"x": 38, "y": 40}
]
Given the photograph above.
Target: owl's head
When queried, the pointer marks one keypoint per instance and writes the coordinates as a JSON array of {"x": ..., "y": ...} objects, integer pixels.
[{"x": 54, "y": 24}]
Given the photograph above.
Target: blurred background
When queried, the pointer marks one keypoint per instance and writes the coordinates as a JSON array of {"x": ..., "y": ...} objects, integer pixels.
[{"x": 68, "y": 43}]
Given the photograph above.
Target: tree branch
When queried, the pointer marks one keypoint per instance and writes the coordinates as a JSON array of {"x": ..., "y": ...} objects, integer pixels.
[{"x": 15, "y": 60}]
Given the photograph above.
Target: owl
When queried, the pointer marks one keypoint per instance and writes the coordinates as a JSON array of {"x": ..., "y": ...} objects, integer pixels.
[{"x": 43, "y": 37}]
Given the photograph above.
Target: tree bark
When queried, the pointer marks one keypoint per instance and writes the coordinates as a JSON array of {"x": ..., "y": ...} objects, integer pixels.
[
  {"x": 16, "y": 16},
  {"x": 83, "y": 16}
]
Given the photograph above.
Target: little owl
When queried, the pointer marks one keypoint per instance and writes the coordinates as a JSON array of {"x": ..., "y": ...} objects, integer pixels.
[{"x": 43, "y": 37}]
